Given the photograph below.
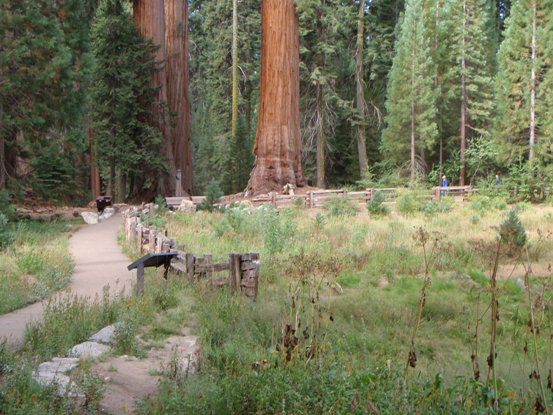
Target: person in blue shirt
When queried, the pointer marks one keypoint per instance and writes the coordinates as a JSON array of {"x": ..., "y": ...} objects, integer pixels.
[{"x": 445, "y": 183}]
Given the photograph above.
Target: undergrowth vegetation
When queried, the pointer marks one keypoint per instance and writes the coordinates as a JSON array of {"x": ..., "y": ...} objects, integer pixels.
[
  {"x": 35, "y": 264},
  {"x": 332, "y": 330}
]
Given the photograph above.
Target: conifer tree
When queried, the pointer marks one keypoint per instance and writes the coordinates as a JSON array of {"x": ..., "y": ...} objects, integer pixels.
[
  {"x": 411, "y": 102},
  {"x": 469, "y": 70},
  {"x": 121, "y": 99},
  {"x": 524, "y": 80},
  {"x": 44, "y": 69}
]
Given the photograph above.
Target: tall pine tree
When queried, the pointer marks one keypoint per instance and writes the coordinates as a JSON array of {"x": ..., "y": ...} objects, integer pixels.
[
  {"x": 524, "y": 76},
  {"x": 469, "y": 71},
  {"x": 411, "y": 104}
]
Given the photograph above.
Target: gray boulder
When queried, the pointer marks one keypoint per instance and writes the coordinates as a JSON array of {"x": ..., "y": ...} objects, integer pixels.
[
  {"x": 91, "y": 350},
  {"x": 105, "y": 336},
  {"x": 90, "y": 218}
]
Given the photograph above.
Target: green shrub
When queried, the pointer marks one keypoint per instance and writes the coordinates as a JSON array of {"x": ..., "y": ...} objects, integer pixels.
[
  {"x": 407, "y": 203},
  {"x": 340, "y": 206},
  {"x": 213, "y": 194},
  {"x": 348, "y": 279},
  {"x": 8, "y": 214},
  {"x": 512, "y": 231},
  {"x": 376, "y": 205},
  {"x": 125, "y": 334},
  {"x": 278, "y": 228},
  {"x": 433, "y": 207},
  {"x": 483, "y": 204}
]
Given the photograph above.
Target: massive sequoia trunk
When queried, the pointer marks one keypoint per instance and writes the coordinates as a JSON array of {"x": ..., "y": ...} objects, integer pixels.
[
  {"x": 278, "y": 142},
  {"x": 176, "y": 45},
  {"x": 166, "y": 23}
]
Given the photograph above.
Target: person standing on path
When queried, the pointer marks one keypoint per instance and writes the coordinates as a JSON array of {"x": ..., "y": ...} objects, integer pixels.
[{"x": 445, "y": 183}]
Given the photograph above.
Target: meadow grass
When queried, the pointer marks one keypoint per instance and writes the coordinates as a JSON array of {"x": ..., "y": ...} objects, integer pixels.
[
  {"x": 36, "y": 265},
  {"x": 353, "y": 353}
]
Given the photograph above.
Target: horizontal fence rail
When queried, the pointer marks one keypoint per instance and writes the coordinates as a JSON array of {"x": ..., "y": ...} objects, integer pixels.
[{"x": 241, "y": 271}]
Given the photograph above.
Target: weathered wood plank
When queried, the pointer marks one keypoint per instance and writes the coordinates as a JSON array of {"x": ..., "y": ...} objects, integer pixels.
[{"x": 199, "y": 268}]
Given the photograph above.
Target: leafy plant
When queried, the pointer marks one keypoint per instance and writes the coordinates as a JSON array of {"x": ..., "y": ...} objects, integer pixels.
[
  {"x": 340, "y": 206},
  {"x": 407, "y": 203},
  {"x": 213, "y": 194},
  {"x": 376, "y": 205},
  {"x": 512, "y": 232},
  {"x": 7, "y": 214}
]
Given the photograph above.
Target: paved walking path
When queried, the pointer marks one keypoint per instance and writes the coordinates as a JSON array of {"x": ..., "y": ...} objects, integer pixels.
[{"x": 98, "y": 262}]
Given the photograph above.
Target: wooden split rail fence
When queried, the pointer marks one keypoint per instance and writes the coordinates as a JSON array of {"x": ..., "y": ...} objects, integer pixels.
[
  {"x": 242, "y": 270},
  {"x": 318, "y": 198}
]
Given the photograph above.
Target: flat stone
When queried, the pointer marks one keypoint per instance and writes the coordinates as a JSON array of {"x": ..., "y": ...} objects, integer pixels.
[
  {"x": 90, "y": 218},
  {"x": 51, "y": 378},
  {"x": 106, "y": 214},
  {"x": 59, "y": 365},
  {"x": 91, "y": 350},
  {"x": 106, "y": 335}
]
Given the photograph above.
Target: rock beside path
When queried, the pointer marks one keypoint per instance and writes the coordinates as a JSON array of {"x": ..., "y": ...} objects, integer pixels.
[
  {"x": 90, "y": 350},
  {"x": 105, "y": 336},
  {"x": 90, "y": 218}
]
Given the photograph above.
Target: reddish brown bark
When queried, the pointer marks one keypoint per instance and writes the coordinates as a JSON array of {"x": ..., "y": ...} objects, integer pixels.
[
  {"x": 149, "y": 16},
  {"x": 278, "y": 147},
  {"x": 176, "y": 45}
]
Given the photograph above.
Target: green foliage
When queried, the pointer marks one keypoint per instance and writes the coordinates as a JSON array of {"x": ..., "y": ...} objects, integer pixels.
[
  {"x": 278, "y": 228},
  {"x": 46, "y": 67},
  {"x": 125, "y": 334},
  {"x": 512, "y": 232},
  {"x": 122, "y": 96},
  {"x": 407, "y": 202},
  {"x": 35, "y": 265},
  {"x": 213, "y": 193},
  {"x": 67, "y": 321},
  {"x": 412, "y": 93},
  {"x": 348, "y": 279},
  {"x": 433, "y": 207},
  {"x": 486, "y": 204},
  {"x": 514, "y": 81},
  {"x": 6, "y": 234},
  {"x": 340, "y": 206},
  {"x": 376, "y": 205}
]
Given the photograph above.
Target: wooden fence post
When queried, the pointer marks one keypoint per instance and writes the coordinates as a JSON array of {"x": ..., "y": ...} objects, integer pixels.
[
  {"x": 249, "y": 278},
  {"x": 311, "y": 200},
  {"x": 208, "y": 260},
  {"x": 234, "y": 273},
  {"x": 152, "y": 241},
  {"x": 190, "y": 262},
  {"x": 140, "y": 279},
  {"x": 274, "y": 199},
  {"x": 139, "y": 228},
  {"x": 437, "y": 193}
]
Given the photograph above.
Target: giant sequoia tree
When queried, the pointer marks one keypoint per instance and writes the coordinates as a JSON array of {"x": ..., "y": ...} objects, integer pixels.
[
  {"x": 278, "y": 148},
  {"x": 165, "y": 22}
]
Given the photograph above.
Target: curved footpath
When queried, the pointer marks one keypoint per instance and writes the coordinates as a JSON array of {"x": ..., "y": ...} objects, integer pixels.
[{"x": 98, "y": 262}]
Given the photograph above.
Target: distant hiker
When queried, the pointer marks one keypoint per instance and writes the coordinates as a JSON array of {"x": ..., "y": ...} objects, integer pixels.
[
  {"x": 445, "y": 183},
  {"x": 497, "y": 180}
]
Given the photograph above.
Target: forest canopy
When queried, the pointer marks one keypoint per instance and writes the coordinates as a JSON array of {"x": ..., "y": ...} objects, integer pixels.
[{"x": 118, "y": 96}]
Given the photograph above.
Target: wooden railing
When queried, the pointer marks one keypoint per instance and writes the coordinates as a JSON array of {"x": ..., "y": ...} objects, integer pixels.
[
  {"x": 318, "y": 198},
  {"x": 242, "y": 270}
]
